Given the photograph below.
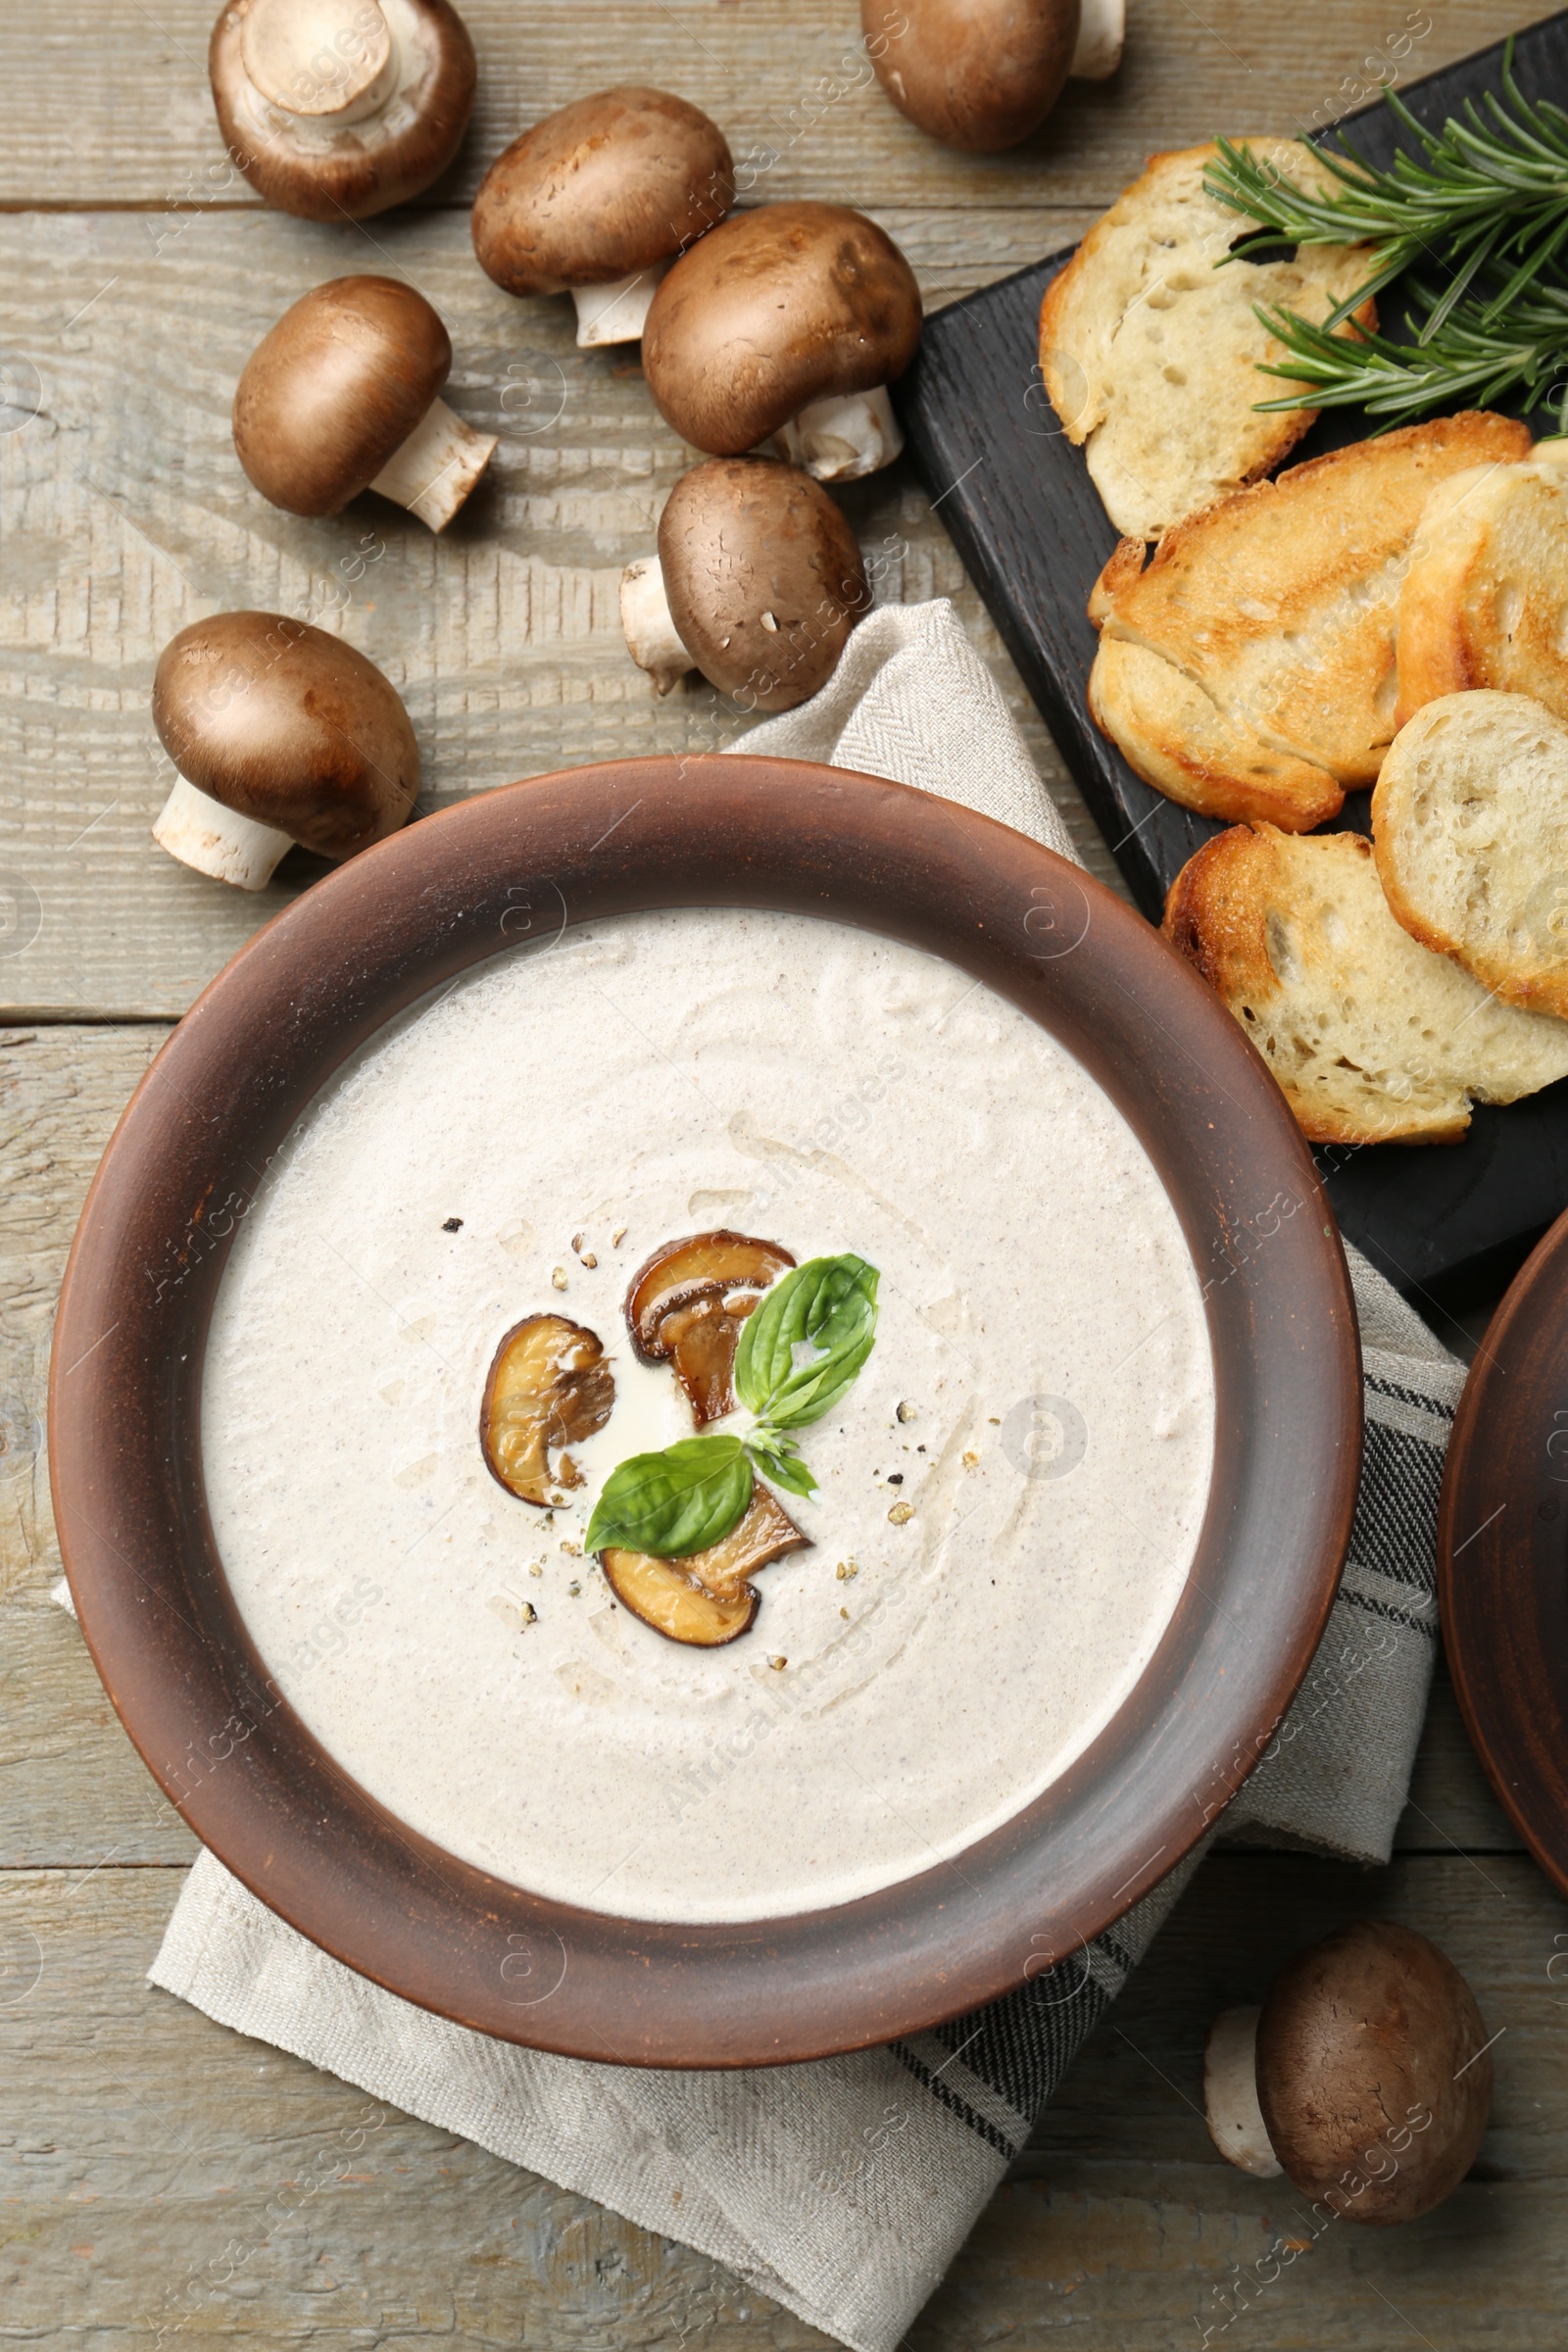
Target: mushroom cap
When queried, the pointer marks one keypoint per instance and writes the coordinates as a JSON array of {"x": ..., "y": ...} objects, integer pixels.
[
  {"x": 1369, "y": 2065},
  {"x": 305, "y": 162},
  {"x": 980, "y": 74},
  {"x": 741, "y": 538},
  {"x": 770, "y": 311},
  {"x": 336, "y": 386},
  {"x": 290, "y": 727},
  {"x": 609, "y": 186}
]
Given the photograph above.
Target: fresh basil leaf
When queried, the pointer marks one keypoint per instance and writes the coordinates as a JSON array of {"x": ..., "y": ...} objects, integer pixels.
[
  {"x": 673, "y": 1502},
  {"x": 779, "y": 1460},
  {"x": 817, "y": 1388},
  {"x": 828, "y": 1304}
]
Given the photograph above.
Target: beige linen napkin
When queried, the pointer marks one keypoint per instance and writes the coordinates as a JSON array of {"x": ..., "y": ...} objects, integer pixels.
[{"x": 844, "y": 2189}]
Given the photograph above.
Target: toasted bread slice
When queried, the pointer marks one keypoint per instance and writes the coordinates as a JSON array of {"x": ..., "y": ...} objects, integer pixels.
[
  {"x": 1150, "y": 349},
  {"x": 1174, "y": 733},
  {"x": 1471, "y": 824},
  {"x": 1485, "y": 600},
  {"x": 1280, "y": 605},
  {"x": 1372, "y": 1038}
]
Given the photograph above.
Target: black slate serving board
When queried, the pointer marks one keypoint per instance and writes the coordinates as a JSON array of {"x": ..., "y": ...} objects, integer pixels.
[{"x": 1018, "y": 501}]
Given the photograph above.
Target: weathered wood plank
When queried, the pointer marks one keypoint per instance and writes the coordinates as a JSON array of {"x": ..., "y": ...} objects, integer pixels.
[
  {"x": 61, "y": 1093},
  {"x": 1131, "y": 2235},
  {"x": 108, "y": 103},
  {"x": 1451, "y": 1804},
  {"x": 126, "y": 514},
  {"x": 140, "y": 2144}
]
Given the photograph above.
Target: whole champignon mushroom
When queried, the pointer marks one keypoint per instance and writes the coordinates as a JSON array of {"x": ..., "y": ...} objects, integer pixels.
[
  {"x": 983, "y": 75},
  {"x": 1366, "y": 2077},
  {"x": 341, "y": 396},
  {"x": 703, "y": 1598},
  {"x": 548, "y": 1386},
  {"x": 686, "y": 1306},
  {"x": 758, "y": 582},
  {"x": 599, "y": 199},
  {"x": 790, "y": 320},
  {"x": 336, "y": 109},
  {"x": 281, "y": 734}
]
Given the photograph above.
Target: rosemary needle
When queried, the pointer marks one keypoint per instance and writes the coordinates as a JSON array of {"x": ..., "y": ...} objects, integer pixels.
[
  {"x": 1488, "y": 205},
  {"x": 1472, "y": 355}
]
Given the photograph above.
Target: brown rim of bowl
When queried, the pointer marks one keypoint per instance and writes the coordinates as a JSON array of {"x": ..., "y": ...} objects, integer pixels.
[
  {"x": 1502, "y": 1552},
  {"x": 183, "y": 1167}
]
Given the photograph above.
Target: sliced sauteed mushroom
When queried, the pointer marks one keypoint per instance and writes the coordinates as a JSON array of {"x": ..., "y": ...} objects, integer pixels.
[
  {"x": 687, "y": 1305},
  {"x": 548, "y": 1386},
  {"x": 599, "y": 199},
  {"x": 335, "y": 109},
  {"x": 1365, "y": 2077},
  {"x": 705, "y": 1600}
]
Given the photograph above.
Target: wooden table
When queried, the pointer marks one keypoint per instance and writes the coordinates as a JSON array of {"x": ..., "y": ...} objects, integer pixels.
[{"x": 139, "y": 2144}]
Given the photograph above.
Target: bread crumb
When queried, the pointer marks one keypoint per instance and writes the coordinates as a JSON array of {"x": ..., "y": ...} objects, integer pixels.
[
  {"x": 558, "y": 1277},
  {"x": 900, "y": 1513},
  {"x": 778, "y": 1664},
  {"x": 905, "y": 1411}
]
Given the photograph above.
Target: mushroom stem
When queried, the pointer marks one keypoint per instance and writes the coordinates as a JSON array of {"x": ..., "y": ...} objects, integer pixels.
[
  {"x": 337, "y": 62},
  {"x": 1101, "y": 35},
  {"x": 436, "y": 467},
  {"x": 1230, "y": 2110},
  {"x": 652, "y": 637},
  {"x": 218, "y": 840},
  {"x": 615, "y": 313},
  {"x": 844, "y": 436}
]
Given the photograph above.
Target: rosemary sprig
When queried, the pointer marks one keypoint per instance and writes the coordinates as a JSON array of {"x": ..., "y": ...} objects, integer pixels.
[
  {"x": 1470, "y": 356},
  {"x": 1488, "y": 206}
]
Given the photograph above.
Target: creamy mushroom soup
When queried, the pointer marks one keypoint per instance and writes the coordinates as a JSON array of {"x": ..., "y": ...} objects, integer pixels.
[{"x": 1009, "y": 1494}]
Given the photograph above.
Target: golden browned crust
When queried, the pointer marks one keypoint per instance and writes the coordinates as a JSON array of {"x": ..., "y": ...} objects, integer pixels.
[
  {"x": 1148, "y": 347},
  {"x": 1266, "y": 622},
  {"x": 1474, "y": 556},
  {"x": 1506, "y": 925},
  {"x": 1471, "y": 437},
  {"x": 1216, "y": 916},
  {"x": 1121, "y": 567},
  {"x": 1173, "y": 735}
]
